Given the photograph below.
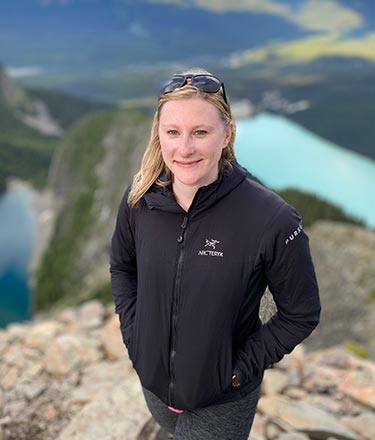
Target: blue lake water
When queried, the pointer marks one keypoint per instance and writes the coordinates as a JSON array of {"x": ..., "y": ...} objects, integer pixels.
[
  {"x": 283, "y": 155},
  {"x": 17, "y": 235}
]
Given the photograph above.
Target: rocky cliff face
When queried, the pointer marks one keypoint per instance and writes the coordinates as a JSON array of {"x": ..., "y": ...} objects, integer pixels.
[
  {"x": 88, "y": 176},
  {"x": 31, "y": 111},
  {"x": 68, "y": 377},
  {"x": 344, "y": 257}
]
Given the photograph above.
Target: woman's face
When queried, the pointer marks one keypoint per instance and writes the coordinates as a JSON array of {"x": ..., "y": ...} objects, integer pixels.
[{"x": 192, "y": 137}]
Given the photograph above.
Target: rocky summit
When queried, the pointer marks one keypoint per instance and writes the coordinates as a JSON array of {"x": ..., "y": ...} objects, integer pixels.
[{"x": 67, "y": 376}]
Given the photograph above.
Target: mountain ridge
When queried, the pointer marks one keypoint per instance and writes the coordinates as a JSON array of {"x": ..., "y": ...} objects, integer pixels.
[
  {"x": 31, "y": 124},
  {"x": 30, "y": 111},
  {"x": 149, "y": 31},
  {"x": 87, "y": 192},
  {"x": 139, "y": 31}
]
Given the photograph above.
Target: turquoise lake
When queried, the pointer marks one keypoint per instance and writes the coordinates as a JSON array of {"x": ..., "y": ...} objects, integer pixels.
[
  {"x": 282, "y": 155},
  {"x": 17, "y": 235}
]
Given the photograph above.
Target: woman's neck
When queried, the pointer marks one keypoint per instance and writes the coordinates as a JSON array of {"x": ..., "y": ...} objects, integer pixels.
[{"x": 184, "y": 195}]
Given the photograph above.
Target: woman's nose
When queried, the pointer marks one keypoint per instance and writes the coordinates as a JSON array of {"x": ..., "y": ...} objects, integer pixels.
[{"x": 186, "y": 146}]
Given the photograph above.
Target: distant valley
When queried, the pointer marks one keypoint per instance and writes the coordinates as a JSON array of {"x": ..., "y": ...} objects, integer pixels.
[{"x": 119, "y": 52}]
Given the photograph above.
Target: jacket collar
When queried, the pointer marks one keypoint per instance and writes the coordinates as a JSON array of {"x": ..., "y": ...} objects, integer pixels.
[{"x": 163, "y": 199}]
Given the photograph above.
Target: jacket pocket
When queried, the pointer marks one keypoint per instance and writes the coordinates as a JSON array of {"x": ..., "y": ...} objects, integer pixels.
[{"x": 225, "y": 369}]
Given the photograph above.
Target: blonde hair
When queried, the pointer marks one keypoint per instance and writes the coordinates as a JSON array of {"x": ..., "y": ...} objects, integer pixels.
[{"x": 153, "y": 165}]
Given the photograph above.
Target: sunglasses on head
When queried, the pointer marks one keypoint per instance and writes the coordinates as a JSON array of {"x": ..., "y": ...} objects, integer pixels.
[{"x": 203, "y": 82}]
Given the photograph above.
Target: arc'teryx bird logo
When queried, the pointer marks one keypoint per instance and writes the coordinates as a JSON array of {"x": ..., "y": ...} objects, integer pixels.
[{"x": 211, "y": 243}]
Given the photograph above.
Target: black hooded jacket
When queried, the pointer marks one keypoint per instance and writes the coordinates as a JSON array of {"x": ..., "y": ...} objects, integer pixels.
[{"x": 187, "y": 287}]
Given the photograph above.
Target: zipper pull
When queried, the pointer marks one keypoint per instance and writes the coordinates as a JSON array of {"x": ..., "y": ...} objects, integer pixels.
[
  {"x": 184, "y": 223},
  {"x": 180, "y": 238}
]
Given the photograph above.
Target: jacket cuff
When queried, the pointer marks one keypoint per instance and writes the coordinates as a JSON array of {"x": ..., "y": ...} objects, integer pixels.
[{"x": 237, "y": 372}]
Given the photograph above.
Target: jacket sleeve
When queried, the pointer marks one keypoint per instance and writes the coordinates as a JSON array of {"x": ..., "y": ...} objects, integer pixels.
[
  {"x": 123, "y": 269},
  {"x": 288, "y": 267}
]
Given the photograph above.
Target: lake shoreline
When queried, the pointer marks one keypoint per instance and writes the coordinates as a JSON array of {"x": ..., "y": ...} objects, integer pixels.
[
  {"x": 27, "y": 236},
  {"x": 304, "y": 161}
]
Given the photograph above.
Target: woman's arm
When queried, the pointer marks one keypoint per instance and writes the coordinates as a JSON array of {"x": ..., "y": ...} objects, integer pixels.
[
  {"x": 123, "y": 269},
  {"x": 289, "y": 269}
]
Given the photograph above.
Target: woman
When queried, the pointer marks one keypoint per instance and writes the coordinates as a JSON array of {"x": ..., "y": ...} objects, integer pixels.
[{"x": 196, "y": 244}]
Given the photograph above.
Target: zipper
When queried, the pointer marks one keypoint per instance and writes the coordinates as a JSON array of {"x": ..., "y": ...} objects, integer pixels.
[{"x": 177, "y": 290}]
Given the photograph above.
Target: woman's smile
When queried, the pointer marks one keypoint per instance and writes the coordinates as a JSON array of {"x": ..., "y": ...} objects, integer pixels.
[{"x": 189, "y": 164}]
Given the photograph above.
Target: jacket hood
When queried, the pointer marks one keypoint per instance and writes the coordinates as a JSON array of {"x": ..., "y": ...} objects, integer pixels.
[{"x": 163, "y": 199}]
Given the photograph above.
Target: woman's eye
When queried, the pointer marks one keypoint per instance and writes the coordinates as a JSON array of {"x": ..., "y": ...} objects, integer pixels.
[
  {"x": 172, "y": 132},
  {"x": 201, "y": 132}
]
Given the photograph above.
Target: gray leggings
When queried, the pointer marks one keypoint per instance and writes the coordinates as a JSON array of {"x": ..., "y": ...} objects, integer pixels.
[{"x": 226, "y": 421}]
